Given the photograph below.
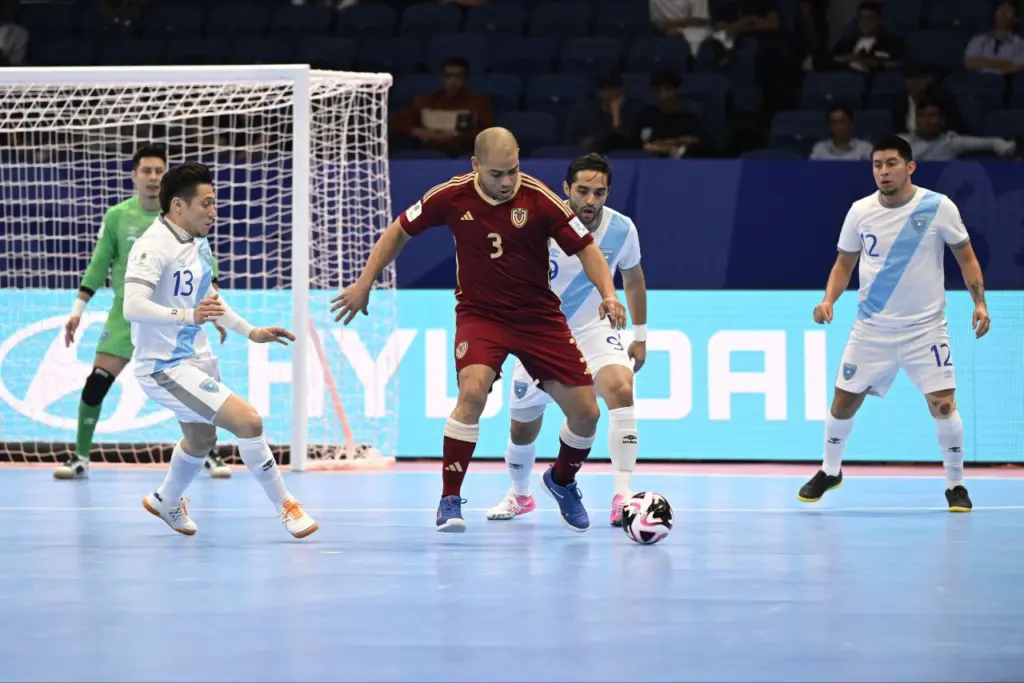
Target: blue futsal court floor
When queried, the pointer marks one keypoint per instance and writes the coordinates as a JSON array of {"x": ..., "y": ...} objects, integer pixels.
[{"x": 877, "y": 582}]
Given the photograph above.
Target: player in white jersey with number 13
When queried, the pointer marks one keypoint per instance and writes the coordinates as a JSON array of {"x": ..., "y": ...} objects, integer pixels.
[
  {"x": 168, "y": 295},
  {"x": 899, "y": 235},
  {"x": 587, "y": 184}
]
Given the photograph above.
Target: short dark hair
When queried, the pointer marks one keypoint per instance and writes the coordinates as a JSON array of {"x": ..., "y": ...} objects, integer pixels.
[
  {"x": 589, "y": 162},
  {"x": 609, "y": 79},
  {"x": 893, "y": 142},
  {"x": 872, "y": 6},
  {"x": 838, "y": 107},
  {"x": 666, "y": 78},
  {"x": 182, "y": 181},
  {"x": 147, "y": 151},
  {"x": 457, "y": 62}
]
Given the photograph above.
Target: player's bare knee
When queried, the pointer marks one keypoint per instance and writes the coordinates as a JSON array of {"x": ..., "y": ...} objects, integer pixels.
[
  {"x": 619, "y": 394},
  {"x": 941, "y": 404},
  {"x": 524, "y": 433},
  {"x": 845, "y": 404},
  {"x": 199, "y": 439},
  {"x": 584, "y": 416}
]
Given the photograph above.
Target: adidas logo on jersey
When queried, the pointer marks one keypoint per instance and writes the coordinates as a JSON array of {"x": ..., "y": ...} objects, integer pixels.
[{"x": 467, "y": 216}]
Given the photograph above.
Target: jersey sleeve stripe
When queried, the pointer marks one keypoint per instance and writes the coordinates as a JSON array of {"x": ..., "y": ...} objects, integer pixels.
[
  {"x": 140, "y": 281},
  {"x": 546, "y": 191},
  {"x": 457, "y": 180}
]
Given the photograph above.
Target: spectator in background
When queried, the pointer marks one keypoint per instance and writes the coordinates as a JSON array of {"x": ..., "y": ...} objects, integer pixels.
[
  {"x": 842, "y": 146},
  {"x": 932, "y": 142},
  {"x": 872, "y": 49},
  {"x": 1000, "y": 51},
  {"x": 449, "y": 119},
  {"x": 668, "y": 128},
  {"x": 606, "y": 122},
  {"x": 813, "y": 24},
  {"x": 689, "y": 18},
  {"x": 13, "y": 37}
]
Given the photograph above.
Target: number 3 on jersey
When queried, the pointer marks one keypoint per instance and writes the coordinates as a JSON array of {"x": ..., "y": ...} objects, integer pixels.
[
  {"x": 183, "y": 288},
  {"x": 495, "y": 244}
]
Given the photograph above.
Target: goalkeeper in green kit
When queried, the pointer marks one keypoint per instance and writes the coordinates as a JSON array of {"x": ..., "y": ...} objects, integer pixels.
[{"x": 122, "y": 225}]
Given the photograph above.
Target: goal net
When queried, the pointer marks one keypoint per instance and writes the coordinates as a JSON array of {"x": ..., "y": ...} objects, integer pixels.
[{"x": 301, "y": 170}]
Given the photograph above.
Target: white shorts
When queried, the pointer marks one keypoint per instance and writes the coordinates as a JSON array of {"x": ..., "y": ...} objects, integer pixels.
[
  {"x": 874, "y": 355},
  {"x": 192, "y": 390},
  {"x": 600, "y": 345}
]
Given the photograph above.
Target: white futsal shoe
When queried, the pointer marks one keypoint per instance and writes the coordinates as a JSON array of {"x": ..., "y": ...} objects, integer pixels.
[
  {"x": 76, "y": 467},
  {"x": 512, "y": 505},
  {"x": 295, "y": 519},
  {"x": 176, "y": 517}
]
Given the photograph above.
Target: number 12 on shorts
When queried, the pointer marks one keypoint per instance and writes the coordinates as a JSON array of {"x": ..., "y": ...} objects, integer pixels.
[{"x": 942, "y": 355}]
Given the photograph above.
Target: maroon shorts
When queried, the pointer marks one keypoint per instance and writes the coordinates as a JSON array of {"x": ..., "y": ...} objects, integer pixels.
[{"x": 548, "y": 351}]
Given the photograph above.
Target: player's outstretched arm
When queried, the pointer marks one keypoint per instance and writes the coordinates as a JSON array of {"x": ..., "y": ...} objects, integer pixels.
[
  {"x": 838, "y": 281},
  {"x": 636, "y": 299},
  {"x": 596, "y": 268},
  {"x": 971, "y": 271},
  {"x": 355, "y": 297},
  {"x": 94, "y": 278}
]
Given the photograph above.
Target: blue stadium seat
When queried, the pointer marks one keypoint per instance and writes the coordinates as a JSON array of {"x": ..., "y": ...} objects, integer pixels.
[
  {"x": 532, "y": 129},
  {"x": 903, "y": 16},
  {"x": 1007, "y": 124},
  {"x": 237, "y": 21},
  {"x": 710, "y": 92},
  {"x": 367, "y": 19},
  {"x": 591, "y": 56},
  {"x": 553, "y": 93},
  {"x": 300, "y": 21},
  {"x": 524, "y": 57},
  {"x": 196, "y": 51},
  {"x": 797, "y": 131},
  {"x": 263, "y": 51},
  {"x": 500, "y": 19},
  {"x": 623, "y": 19},
  {"x": 97, "y": 24},
  {"x": 942, "y": 49},
  {"x": 426, "y": 19},
  {"x": 638, "y": 87},
  {"x": 822, "y": 90},
  {"x": 327, "y": 52},
  {"x": 418, "y": 154},
  {"x": 1017, "y": 92},
  {"x": 872, "y": 124},
  {"x": 48, "y": 20},
  {"x": 131, "y": 52},
  {"x": 887, "y": 88},
  {"x": 410, "y": 86},
  {"x": 471, "y": 46},
  {"x": 740, "y": 68},
  {"x": 959, "y": 15},
  {"x": 166, "y": 21},
  {"x": 62, "y": 52},
  {"x": 561, "y": 19},
  {"x": 558, "y": 152},
  {"x": 504, "y": 90},
  {"x": 976, "y": 95},
  {"x": 390, "y": 55},
  {"x": 661, "y": 52},
  {"x": 771, "y": 154}
]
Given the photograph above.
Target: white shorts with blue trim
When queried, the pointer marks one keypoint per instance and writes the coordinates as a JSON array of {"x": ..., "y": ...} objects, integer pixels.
[
  {"x": 192, "y": 390},
  {"x": 874, "y": 355},
  {"x": 599, "y": 344}
]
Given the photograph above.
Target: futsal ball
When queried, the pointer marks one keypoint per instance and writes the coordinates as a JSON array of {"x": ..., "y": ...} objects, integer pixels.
[{"x": 647, "y": 517}]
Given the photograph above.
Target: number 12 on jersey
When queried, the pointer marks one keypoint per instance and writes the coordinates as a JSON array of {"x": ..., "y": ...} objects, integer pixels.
[{"x": 183, "y": 278}]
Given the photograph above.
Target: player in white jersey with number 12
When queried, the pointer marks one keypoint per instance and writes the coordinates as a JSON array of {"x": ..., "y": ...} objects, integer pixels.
[
  {"x": 899, "y": 235},
  {"x": 587, "y": 183},
  {"x": 168, "y": 295}
]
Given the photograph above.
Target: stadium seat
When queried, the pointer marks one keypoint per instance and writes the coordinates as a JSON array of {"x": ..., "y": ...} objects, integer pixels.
[
  {"x": 638, "y": 87},
  {"x": 426, "y": 19},
  {"x": 327, "y": 52},
  {"x": 410, "y": 86},
  {"x": 1017, "y": 92},
  {"x": 367, "y": 19},
  {"x": 300, "y": 21},
  {"x": 471, "y": 46},
  {"x": 709, "y": 91},
  {"x": 502, "y": 20},
  {"x": 62, "y": 52},
  {"x": 532, "y": 129},
  {"x": 941, "y": 49},
  {"x": 525, "y": 57},
  {"x": 390, "y": 55},
  {"x": 56, "y": 21},
  {"x": 771, "y": 154},
  {"x": 887, "y": 88},
  {"x": 872, "y": 124},
  {"x": 903, "y": 16},
  {"x": 237, "y": 21},
  {"x": 196, "y": 51},
  {"x": 266, "y": 51},
  {"x": 1008, "y": 124},
  {"x": 96, "y": 24},
  {"x": 554, "y": 93},
  {"x": 558, "y": 152},
  {"x": 561, "y": 19},
  {"x": 165, "y": 21},
  {"x": 797, "y": 131},
  {"x": 624, "y": 19},
  {"x": 591, "y": 56},
  {"x": 131, "y": 52},
  {"x": 966, "y": 17},
  {"x": 504, "y": 90},
  {"x": 822, "y": 90},
  {"x": 989, "y": 89},
  {"x": 651, "y": 54}
]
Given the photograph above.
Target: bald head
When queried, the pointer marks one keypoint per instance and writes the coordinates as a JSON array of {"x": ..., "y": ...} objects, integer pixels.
[{"x": 494, "y": 143}]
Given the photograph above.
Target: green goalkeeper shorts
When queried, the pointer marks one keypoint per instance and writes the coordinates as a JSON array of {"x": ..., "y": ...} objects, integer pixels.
[{"x": 116, "y": 338}]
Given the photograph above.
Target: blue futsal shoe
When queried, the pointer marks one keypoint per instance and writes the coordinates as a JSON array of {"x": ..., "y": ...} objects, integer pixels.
[
  {"x": 570, "y": 501},
  {"x": 449, "y": 515}
]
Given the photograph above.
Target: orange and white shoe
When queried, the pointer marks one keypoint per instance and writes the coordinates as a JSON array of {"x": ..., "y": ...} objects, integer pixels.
[
  {"x": 295, "y": 519},
  {"x": 176, "y": 516},
  {"x": 512, "y": 505}
]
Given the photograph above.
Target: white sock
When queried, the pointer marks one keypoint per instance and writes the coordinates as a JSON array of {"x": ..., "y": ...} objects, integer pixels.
[
  {"x": 950, "y": 430},
  {"x": 623, "y": 444},
  {"x": 519, "y": 460},
  {"x": 180, "y": 474},
  {"x": 836, "y": 433},
  {"x": 260, "y": 461}
]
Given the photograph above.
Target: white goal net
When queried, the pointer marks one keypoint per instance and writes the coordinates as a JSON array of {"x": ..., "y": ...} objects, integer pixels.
[{"x": 300, "y": 161}]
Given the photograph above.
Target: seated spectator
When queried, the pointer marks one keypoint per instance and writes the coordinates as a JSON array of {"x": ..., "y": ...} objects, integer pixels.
[
  {"x": 872, "y": 49},
  {"x": 446, "y": 120},
  {"x": 13, "y": 37},
  {"x": 689, "y": 18},
  {"x": 932, "y": 142},
  {"x": 1000, "y": 51},
  {"x": 606, "y": 122},
  {"x": 842, "y": 146},
  {"x": 668, "y": 128}
]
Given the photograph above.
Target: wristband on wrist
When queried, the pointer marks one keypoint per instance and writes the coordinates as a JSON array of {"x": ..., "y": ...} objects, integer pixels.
[
  {"x": 640, "y": 333},
  {"x": 78, "y": 308}
]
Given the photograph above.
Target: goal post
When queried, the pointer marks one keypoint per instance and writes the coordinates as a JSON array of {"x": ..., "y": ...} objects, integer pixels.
[{"x": 301, "y": 174}]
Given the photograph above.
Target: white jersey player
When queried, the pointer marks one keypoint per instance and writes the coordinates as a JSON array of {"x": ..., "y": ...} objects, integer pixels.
[
  {"x": 612, "y": 365},
  {"x": 899, "y": 235},
  {"x": 168, "y": 297}
]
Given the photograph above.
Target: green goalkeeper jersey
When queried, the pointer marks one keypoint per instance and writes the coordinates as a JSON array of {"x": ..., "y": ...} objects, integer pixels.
[{"x": 122, "y": 225}]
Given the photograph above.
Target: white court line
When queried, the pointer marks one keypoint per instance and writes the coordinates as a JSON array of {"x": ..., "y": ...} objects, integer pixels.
[
  {"x": 692, "y": 475},
  {"x": 697, "y": 511}
]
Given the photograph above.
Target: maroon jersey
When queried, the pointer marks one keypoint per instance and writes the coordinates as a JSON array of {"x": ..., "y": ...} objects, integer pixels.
[{"x": 501, "y": 247}]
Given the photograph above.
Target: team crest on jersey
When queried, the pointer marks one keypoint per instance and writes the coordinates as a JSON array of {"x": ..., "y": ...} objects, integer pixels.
[
  {"x": 519, "y": 217},
  {"x": 849, "y": 370},
  {"x": 519, "y": 388},
  {"x": 104, "y": 334},
  {"x": 210, "y": 386},
  {"x": 920, "y": 222},
  {"x": 461, "y": 349}
]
